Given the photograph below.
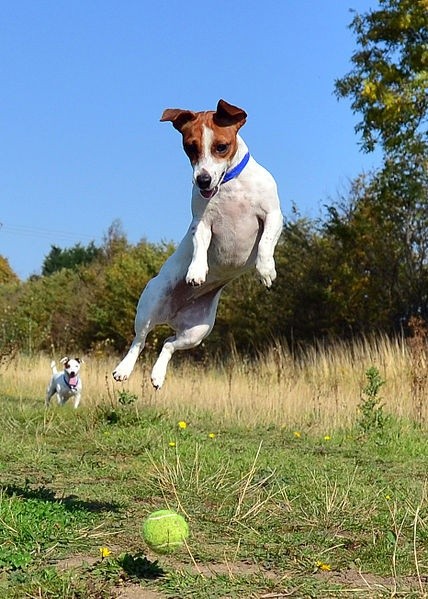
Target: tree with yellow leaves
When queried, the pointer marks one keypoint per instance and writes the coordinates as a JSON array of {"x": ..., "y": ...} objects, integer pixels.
[{"x": 388, "y": 87}]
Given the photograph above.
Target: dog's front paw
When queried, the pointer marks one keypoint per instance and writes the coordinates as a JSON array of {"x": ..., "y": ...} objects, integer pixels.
[
  {"x": 267, "y": 272},
  {"x": 196, "y": 275}
]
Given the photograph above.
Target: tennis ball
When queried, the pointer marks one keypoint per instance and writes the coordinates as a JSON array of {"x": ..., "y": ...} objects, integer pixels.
[{"x": 164, "y": 531}]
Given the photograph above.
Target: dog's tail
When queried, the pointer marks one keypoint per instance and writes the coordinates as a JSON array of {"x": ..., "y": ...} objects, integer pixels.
[{"x": 53, "y": 366}]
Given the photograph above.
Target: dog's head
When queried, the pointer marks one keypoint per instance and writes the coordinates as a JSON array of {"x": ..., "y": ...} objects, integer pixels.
[
  {"x": 72, "y": 367},
  {"x": 209, "y": 140}
]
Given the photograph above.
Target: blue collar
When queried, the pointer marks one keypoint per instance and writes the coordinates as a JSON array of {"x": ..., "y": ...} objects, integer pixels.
[{"x": 236, "y": 170}]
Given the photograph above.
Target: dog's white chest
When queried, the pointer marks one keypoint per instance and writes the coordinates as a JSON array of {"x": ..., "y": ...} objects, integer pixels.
[{"x": 235, "y": 233}]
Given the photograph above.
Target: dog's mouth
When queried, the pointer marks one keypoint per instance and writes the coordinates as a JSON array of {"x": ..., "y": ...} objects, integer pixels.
[
  {"x": 72, "y": 381},
  {"x": 208, "y": 193}
]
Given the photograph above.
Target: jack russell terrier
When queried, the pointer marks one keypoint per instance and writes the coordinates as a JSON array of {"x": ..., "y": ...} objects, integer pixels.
[
  {"x": 236, "y": 224},
  {"x": 67, "y": 383}
]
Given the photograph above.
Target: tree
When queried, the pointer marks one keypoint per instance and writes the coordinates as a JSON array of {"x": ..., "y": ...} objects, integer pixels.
[
  {"x": 6, "y": 273},
  {"x": 73, "y": 257},
  {"x": 116, "y": 285},
  {"x": 389, "y": 81},
  {"x": 366, "y": 261},
  {"x": 298, "y": 307},
  {"x": 388, "y": 88}
]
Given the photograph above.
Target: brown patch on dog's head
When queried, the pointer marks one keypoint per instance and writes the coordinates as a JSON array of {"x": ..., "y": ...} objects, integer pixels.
[{"x": 224, "y": 122}]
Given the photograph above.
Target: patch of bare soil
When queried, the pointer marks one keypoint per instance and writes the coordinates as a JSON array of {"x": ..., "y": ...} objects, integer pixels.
[
  {"x": 224, "y": 569},
  {"x": 359, "y": 581},
  {"x": 135, "y": 591},
  {"x": 76, "y": 561}
]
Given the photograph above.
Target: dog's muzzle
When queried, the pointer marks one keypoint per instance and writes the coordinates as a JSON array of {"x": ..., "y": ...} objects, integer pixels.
[{"x": 203, "y": 181}]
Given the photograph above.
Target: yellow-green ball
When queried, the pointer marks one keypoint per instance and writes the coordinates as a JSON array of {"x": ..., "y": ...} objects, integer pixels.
[{"x": 164, "y": 531}]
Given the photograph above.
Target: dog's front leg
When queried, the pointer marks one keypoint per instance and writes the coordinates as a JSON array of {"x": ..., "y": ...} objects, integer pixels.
[
  {"x": 198, "y": 268},
  {"x": 265, "y": 263}
]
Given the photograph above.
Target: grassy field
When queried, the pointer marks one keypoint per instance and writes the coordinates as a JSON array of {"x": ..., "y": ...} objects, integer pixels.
[{"x": 298, "y": 477}]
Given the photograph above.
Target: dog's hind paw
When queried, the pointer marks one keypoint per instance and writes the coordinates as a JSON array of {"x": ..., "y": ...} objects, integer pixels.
[
  {"x": 157, "y": 382},
  {"x": 158, "y": 377},
  {"x": 118, "y": 376}
]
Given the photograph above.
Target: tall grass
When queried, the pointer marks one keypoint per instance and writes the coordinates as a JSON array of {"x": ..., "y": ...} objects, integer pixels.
[{"x": 320, "y": 388}]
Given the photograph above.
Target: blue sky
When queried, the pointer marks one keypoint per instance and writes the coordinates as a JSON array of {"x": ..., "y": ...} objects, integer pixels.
[{"x": 85, "y": 83}]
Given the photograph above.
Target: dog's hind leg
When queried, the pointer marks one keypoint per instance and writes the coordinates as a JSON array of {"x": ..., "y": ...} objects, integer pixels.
[
  {"x": 182, "y": 340},
  {"x": 151, "y": 310},
  {"x": 123, "y": 370},
  {"x": 144, "y": 322},
  {"x": 49, "y": 393},
  {"x": 196, "y": 323}
]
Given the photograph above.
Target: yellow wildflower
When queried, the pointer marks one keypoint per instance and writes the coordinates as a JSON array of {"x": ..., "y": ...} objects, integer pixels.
[
  {"x": 105, "y": 552},
  {"x": 324, "y": 567},
  {"x": 211, "y": 435},
  {"x": 182, "y": 424},
  {"x": 171, "y": 443},
  {"x": 327, "y": 438},
  {"x": 297, "y": 434}
]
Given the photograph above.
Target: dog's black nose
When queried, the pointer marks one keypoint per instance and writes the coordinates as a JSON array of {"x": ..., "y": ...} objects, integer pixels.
[{"x": 203, "y": 180}]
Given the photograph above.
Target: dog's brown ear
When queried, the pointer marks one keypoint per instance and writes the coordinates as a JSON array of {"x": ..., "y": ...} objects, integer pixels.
[
  {"x": 178, "y": 117},
  {"x": 227, "y": 115}
]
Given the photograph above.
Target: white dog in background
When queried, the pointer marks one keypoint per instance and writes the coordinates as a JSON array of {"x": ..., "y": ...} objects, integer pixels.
[{"x": 67, "y": 383}]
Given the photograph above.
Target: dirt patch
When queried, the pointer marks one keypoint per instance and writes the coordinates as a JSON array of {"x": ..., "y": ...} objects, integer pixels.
[
  {"x": 355, "y": 580},
  {"x": 228, "y": 569},
  {"x": 135, "y": 591},
  {"x": 76, "y": 561}
]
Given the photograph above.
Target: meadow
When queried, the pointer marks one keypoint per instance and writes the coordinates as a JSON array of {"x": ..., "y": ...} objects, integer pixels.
[{"x": 300, "y": 476}]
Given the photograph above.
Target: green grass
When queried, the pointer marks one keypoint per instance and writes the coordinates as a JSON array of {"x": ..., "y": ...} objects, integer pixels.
[{"x": 273, "y": 512}]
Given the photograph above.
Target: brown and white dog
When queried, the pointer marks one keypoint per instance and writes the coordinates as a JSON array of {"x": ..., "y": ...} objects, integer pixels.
[{"x": 236, "y": 224}]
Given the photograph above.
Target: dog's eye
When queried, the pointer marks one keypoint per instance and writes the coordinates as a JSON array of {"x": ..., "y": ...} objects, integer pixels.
[
  {"x": 190, "y": 149},
  {"x": 222, "y": 148}
]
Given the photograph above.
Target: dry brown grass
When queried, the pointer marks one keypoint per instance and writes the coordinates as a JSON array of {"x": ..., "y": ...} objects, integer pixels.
[{"x": 321, "y": 388}]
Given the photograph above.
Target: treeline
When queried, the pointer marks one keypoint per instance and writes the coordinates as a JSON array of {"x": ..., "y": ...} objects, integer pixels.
[{"x": 359, "y": 270}]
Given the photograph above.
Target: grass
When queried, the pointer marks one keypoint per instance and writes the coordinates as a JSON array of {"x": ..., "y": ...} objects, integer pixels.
[
  {"x": 321, "y": 388},
  {"x": 286, "y": 494}
]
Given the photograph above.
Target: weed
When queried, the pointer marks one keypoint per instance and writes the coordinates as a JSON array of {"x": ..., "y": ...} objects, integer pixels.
[
  {"x": 372, "y": 417},
  {"x": 125, "y": 398}
]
